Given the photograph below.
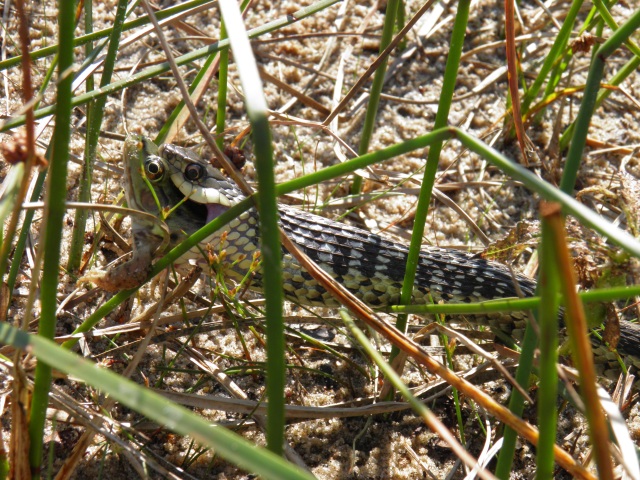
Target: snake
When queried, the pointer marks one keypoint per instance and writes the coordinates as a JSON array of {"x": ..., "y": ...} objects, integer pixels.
[{"x": 175, "y": 184}]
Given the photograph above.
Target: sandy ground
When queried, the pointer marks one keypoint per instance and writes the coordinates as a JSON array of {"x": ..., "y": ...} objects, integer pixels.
[{"x": 396, "y": 445}]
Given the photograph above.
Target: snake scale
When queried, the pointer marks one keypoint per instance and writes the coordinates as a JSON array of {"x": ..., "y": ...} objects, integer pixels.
[{"x": 174, "y": 179}]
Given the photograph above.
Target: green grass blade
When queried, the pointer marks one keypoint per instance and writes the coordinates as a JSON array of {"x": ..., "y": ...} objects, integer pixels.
[
  {"x": 376, "y": 87},
  {"x": 515, "y": 304},
  {"x": 164, "y": 67},
  {"x": 433, "y": 158},
  {"x": 223, "y": 75},
  {"x": 596, "y": 72},
  {"x": 91, "y": 37},
  {"x": 516, "y": 403},
  {"x": 559, "y": 45},
  {"x": 54, "y": 214},
  {"x": 271, "y": 250},
  {"x": 141, "y": 399},
  {"x": 94, "y": 121},
  {"x": 548, "y": 391},
  {"x": 432, "y": 420}
]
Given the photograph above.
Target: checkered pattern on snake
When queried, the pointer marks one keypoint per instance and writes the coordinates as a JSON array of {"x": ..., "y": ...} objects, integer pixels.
[{"x": 368, "y": 265}]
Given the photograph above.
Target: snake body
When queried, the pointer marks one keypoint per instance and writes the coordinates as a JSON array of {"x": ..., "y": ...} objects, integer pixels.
[{"x": 368, "y": 265}]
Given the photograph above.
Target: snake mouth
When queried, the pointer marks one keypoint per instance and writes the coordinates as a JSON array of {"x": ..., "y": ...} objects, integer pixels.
[
  {"x": 191, "y": 211},
  {"x": 214, "y": 210},
  {"x": 182, "y": 212}
]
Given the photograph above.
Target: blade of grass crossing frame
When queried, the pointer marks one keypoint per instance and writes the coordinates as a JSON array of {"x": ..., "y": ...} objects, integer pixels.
[
  {"x": 223, "y": 74},
  {"x": 91, "y": 37},
  {"x": 555, "y": 53},
  {"x": 548, "y": 320},
  {"x": 430, "y": 419},
  {"x": 428, "y": 181},
  {"x": 516, "y": 402},
  {"x": 95, "y": 114},
  {"x": 164, "y": 67},
  {"x": 376, "y": 87},
  {"x": 512, "y": 77},
  {"x": 54, "y": 213},
  {"x": 511, "y": 305},
  {"x": 579, "y": 339},
  {"x": 227, "y": 444},
  {"x": 401, "y": 18},
  {"x": 88, "y": 48},
  {"x": 269, "y": 231},
  {"x": 589, "y": 97}
]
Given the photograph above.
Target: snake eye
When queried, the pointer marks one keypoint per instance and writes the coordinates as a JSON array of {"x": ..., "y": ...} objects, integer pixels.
[
  {"x": 194, "y": 171},
  {"x": 154, "y": 168}
]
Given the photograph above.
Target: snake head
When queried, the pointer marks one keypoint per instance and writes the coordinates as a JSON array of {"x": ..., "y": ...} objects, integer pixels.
[
  {"x": 179, "y": 192},
  {"x": 204, "y": 192},
  {"x": 163, "y": 186}
]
